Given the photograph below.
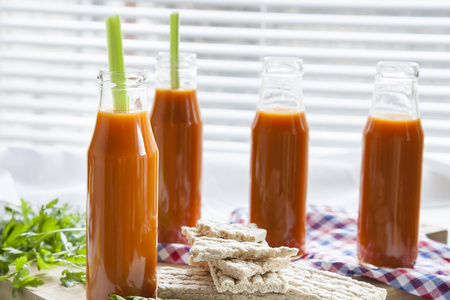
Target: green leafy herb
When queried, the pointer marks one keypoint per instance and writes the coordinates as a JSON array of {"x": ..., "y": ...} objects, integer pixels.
[
  {"x": 50, "y": 237},
  {"x": 71, "y": 279},
  {"x": 20, "y": 275}
]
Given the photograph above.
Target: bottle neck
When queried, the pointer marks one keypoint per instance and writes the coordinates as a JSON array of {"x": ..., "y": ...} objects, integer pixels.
[
  {"x": 130, "y": 87},
  {"x": 281, "y": 84},
  {"x": 395, "y": 94},
  {"x": 181, "y": 75}
]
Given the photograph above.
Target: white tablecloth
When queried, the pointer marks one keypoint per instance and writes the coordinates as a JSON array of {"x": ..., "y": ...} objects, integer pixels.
[{"x": 40, "y": 174}]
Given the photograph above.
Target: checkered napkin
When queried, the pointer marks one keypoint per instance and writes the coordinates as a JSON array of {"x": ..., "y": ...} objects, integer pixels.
[
  {"x": 174, "y": 253},
  {"x": 331, "y": 246}
]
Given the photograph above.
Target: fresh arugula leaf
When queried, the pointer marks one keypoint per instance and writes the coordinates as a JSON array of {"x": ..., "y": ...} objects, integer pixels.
[
  {"x": 51, "y": 203},
  {"x": 69, "y": 278},
  {"x": 29, "y": 281},
  {"x": 78, "y": 260},
  {"x": 12, "y": 210},
  {"x": 115, "y": 297},
  {"x": 47, "y": 262},
  {"x": 26, "y": 210},
  {"x": 7, "y": 276},
  {"x": 12, "y": 251},
  {"x": 3, "y": 267},
  {"x": 11, "y": 234},
  {"x": 82, "y": 251},
  {"x": 50, "y": 225},
  {"x": 20, "y": 276},
  {"x": 49, "y": 236},
  {"x": 41, "y": 264},
  {"x": 20, "y": 263}
]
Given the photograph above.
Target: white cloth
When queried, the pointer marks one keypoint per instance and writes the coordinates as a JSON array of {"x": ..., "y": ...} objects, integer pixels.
[{"x": 40, "y": 174}]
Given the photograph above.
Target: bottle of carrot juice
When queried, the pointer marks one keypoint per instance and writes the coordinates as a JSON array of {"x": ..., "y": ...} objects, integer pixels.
[
  {"x": 122, "y": 203},
  {"x": 177, "y": 125},
  {"x": 279, "y": 155},
  {"x": 391, "y": 171}
]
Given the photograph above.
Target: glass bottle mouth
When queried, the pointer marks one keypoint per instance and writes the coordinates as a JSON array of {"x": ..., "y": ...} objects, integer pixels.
[
  {"x": 397, "y": 70},
  {"x": 134, "y": 78},
  {"x": 185, "y": 70},
  {"x": 395, "y": 94},
  {"x": 123, "y": 92},
  {"x": 281, "y": 84},
  {"x": 282, "y": 66},
  {"x": 185, "y": 60}
]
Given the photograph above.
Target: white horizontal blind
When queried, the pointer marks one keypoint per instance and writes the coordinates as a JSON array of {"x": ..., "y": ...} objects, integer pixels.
[{"x": 50, "y": 52}]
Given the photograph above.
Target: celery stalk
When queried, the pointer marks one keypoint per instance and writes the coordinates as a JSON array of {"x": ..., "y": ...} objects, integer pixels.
[
  {"x": 116, "y": 62},
  {"x": 174, "y": 42}
]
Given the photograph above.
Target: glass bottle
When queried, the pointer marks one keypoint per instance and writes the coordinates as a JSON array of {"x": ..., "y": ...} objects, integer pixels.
[
  {"x": 122, "y": 194},
  {"x": 391, "y": 171},
  {"x": 177, "y": 125},
  {"x": 279, "y": 155}
]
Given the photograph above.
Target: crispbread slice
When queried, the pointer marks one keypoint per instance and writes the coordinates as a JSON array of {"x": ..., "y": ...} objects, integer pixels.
[
  {"x": 304, "y": 284},
  {"x": 199, "y": 264},
  {"x": 236, "y": 232},
  {"x": 189, "y": 284},
  {"x": 316, "y": 284},
  {"x": 208, "y": 249},
  {"x": 191, "y": 233},
  {"x": 270, "y": 282},
  {"x": 240, "y": 269}
]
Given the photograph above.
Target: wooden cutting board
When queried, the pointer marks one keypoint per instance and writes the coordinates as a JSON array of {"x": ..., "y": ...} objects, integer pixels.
[{"x": 53, "y": 290}]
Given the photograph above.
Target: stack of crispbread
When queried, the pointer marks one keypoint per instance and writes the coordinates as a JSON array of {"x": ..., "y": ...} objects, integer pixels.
[{"x": 237, "y": 263}]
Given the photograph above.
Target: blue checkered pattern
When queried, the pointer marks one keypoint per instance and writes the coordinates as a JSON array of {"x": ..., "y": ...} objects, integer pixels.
[
  {"x": 331, "y": 246},
  {"x": 173, "y": 253}
]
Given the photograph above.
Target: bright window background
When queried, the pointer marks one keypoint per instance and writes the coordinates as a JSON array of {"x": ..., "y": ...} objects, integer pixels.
[{"x": 50, "y": 52}]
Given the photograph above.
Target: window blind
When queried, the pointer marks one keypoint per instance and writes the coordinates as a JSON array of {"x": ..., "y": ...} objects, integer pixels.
[{"x": 50, "y": 53}]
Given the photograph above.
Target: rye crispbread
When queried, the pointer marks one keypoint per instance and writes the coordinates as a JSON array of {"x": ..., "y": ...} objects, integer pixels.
[
  {"x": 209, "y": 249},
  {"x": 190, "y": 284},
  {"x": 199, "y": 264},
  {"x": 241, "y": 269},
  {"x": 237, "y": 232},
  {"x": 304, "y": 283},
  {"x": 191, "y": 233},
  {"x": 231, "y": 264},
  {"x": 317, "y": 284},
  {"x": 270, "y": 282}
]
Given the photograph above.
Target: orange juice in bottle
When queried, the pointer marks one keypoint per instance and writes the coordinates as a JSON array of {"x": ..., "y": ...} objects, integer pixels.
[
  {"x": 391, "y": 170},
  {"x": 279, "y": 155},
  {"x": 122, "y": 195},
  {"x": 178, "y": 128}
]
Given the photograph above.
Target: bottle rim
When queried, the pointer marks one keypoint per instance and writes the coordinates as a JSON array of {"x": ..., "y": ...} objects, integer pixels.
[
  {"x": 186, "y": 60},
  {"x": 137, "y": 71},
  {"x": 135, "y": 77},
  {"x": 282, "y": 65},
  {"x": 397, "y": 70}
]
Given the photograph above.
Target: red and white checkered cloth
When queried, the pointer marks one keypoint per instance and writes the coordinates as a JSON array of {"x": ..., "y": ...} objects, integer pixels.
[{"x": 331, "y": 246}]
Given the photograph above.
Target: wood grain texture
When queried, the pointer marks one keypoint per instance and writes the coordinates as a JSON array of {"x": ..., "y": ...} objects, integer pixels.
[
  {"x": 53, "y": 290},
  {"x": 392, "y": 292},
  {"x": 435, "y": 233}
]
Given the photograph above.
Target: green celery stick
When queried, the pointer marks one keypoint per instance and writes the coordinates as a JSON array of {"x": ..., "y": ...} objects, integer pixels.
[
  {"x": 116, "y": 62},
  {"x": 174, "y": 42}
]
